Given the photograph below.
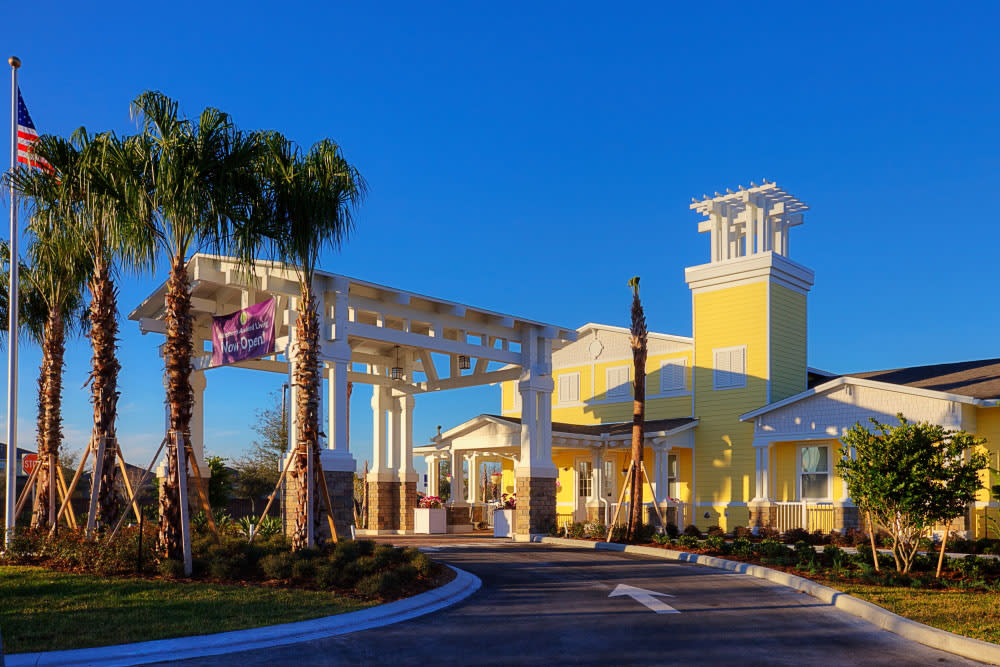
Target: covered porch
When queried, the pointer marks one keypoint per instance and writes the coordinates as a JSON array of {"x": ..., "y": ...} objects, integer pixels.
[{"x": 590, "y": 463}]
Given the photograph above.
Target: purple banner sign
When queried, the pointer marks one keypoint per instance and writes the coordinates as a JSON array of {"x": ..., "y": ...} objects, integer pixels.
[{"x": 243, "y": 335}]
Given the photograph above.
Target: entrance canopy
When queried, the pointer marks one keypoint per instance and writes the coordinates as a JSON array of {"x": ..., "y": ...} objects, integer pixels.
[{"x": 402, "y": 343}]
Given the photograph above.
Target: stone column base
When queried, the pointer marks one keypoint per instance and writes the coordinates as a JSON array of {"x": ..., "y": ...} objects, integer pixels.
[
  {"x": 845, "y": 518},
  {"x": 536, "y": 505},
  {"x": 407, "y": 503},
  {"x": 459, "y": 518},
  {"x": 383, "y": 505},
  {"x": 762, "y": 515},
  {"x": 340, "y": 484}
]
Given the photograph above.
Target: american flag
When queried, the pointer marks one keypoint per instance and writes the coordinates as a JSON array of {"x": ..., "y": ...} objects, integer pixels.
[{"x": 26, "y": 138}]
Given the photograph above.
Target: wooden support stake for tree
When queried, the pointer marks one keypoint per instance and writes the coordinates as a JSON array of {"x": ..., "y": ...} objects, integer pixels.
[
  {"x": 656, "y": 506},
  {"x": 72, "y": 488},
  {"x": 128, "y": 484},
  {"x": 95, "y": 487},
  {"x": 326, "y": 498},
  {"x": 53, "y": 486},
  {"x": 621, "y": 496},
  {"x": 142, "y": 482},
  {"x": 64, "y": 494},
  {"x": 182, "y": 489},
  {"x": 25, "y": 492},
  {"x": 270, "y": 499},
  {"x": 202, "y": 493},
  {"x": 944, "y": 543},
  {"x": 871, "y": 535}
]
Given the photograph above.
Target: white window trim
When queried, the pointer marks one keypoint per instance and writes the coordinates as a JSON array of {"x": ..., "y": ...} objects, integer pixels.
[
  {"x": 715, "y": 365},
  {"x": 675, "y": 361},
  {"x": 559, "y": 399},
  {"x": 799, "y": 473},
  {"x": 517, "y": 399},
  {"x": 628, "y": 384}
]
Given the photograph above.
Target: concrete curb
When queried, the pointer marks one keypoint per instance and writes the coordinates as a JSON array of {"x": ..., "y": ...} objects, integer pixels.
[
  {"x": 904, "y": 627},
  {"x": 462, "y": 586}
]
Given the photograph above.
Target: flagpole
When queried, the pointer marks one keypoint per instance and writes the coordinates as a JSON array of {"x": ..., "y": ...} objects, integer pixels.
[{"x": 11, "y": 468}]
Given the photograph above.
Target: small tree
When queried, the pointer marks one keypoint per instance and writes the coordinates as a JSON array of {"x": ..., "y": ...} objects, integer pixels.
[
  {"x": 220, "y": 484},
  {"x": 909, "y": 477}
]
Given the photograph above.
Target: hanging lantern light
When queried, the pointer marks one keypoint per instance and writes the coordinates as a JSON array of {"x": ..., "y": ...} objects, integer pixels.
[
  {"x": 463, "y": 362},
  {"x": 397, "y": 371}
]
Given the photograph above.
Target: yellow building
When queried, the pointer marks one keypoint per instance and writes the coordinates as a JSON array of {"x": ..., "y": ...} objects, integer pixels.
[{"x": 740, "y": 431}]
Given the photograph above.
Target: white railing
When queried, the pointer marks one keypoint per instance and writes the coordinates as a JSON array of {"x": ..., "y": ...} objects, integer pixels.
[{"x": 805, "y": 515}]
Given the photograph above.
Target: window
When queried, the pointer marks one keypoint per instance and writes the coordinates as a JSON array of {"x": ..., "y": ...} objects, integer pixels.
[
  {"x": 673, "y": 375},
  {"x": 569, "y": 388},
  {"x": 814, "y": 475},
  {"x": 609, "y": 478},
  {"x": 619, "y": 385},
  {"x": 585, "y": 483},
  {"x": 730, "y": 370},
  {"x": 672, "y": 476}
]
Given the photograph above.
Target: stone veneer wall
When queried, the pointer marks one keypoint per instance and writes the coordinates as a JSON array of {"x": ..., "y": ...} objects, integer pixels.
[
  {"x": 407, "y": 503},
  {"x": 341, "y": 488},
  {"x": 536, "y": 505}
]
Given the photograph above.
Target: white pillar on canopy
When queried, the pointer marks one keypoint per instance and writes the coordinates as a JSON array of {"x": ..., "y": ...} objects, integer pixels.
[
  {"x": 457, "y": 479},
  {"x": 198, "y": 383}
]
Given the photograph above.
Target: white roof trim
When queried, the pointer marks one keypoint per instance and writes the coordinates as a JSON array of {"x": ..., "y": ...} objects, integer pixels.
[
  {"x": 625, "y": 330},
  {"x": 862, "y": 382}
]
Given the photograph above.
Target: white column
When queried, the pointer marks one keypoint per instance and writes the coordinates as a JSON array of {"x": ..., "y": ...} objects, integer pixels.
[
  {"x": 432, "y": 475},
  {"x": 380, "y": 468},
  {"x": 395, "y": 439},
  {"x": 475, "y": 483},
  {"x": 536, "y": 408},
  {"x": 292, "y": 391},
  {"x": 198, "y": 421},
  {"x": 661, "y": 474},
  {"x": 407, "y": 473},
  {"x": 762, "y": 472},
  {"x": 596, "y": 476},
  {"x": 337, "y": 456},
  {"x": 457, "y": 481}
]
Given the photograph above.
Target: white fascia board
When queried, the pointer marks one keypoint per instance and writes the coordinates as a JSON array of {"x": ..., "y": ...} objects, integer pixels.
[
  {"x": 625, "y": 330},
  {"x": 750, "y": 268},
  {"x": 873, "y": 384},
  {"x": 816, "y": 371}
]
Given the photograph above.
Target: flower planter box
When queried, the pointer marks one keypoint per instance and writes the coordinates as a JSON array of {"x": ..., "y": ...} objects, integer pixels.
[
  {"x": 503, "y": 523},
  {"x": 427, "y": 521}
]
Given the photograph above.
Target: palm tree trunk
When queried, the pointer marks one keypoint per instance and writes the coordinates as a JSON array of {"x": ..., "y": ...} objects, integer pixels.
[
  {"x": 50, "y": 414},
  {"x": 638, "y": 331},
  {"x": 104, "y": 382},
  {"x": 180, "y": 398},
  {"x": 306, "y": 376}
]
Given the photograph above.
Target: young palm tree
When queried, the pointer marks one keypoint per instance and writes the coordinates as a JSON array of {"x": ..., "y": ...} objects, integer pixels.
[
  {"x": 196, "y": 188},
  {"x": 638, "y": 340},
  {"x": 54, "y": 278},
  {"x": 309, "y": 199}
]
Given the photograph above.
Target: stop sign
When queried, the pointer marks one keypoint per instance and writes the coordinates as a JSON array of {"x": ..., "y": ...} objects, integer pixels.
[{"x": 28, "y": 463}]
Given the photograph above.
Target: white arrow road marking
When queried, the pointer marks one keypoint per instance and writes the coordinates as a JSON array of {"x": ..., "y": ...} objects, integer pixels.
[{"x": 645, "y": 597}]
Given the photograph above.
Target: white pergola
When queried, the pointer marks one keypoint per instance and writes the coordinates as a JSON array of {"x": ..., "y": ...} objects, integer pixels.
[{"x": 367, "y": 330}]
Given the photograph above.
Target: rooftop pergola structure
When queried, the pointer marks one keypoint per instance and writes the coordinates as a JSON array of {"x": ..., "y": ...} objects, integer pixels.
[
  {"x": 398, "y": 342},
  {"x": 749, "y": 221}
]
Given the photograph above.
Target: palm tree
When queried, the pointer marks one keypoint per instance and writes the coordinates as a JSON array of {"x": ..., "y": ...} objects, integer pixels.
[
  {"x": 196, "y": 189},
  {"x": 638, "y": 341},
  {"x": 309, "y": 198},
  {"x": 54, "y": 279}
]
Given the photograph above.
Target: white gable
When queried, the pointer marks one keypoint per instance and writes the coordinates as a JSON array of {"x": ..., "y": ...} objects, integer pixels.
[
  {"x": 601, "y": 343},
  {"x": 833, "y": 412}
]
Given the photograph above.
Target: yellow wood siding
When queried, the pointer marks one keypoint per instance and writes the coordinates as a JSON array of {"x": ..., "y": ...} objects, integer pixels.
[
  {"x": 788, "y": 342},
  {"x": 988, "y": 426},
  {"x": 724, "y": 466}
]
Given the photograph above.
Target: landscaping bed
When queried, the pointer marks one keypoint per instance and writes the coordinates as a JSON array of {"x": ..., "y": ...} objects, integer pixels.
[
  {"x": 964, "y": 600},
  {"x": 67, "y": 592}
]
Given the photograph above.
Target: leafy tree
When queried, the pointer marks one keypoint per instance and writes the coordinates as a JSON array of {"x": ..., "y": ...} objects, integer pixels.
[
  {"x": 220, "y": 485},
  {"x": 638, "y": 341},
  {"x": 260, "y": 468},
  {"x": 309, "y": 200},
  {"x": 909, "y": 477}
]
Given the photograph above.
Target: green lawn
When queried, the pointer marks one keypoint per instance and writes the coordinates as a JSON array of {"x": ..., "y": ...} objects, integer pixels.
[
  {"x": 44, "y": 610},
  {"x": 969, "y": 613}
]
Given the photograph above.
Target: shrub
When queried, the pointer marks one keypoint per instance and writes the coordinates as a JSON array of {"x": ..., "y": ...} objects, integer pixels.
[
  {"x": 715, "y": 531},
  {"x": 741, "y": 531},
  {"x": 768, "y": 533},
  {"x": 715, "y": 542},
  {"x": 672, "y": 530},
  {"x": 771, "y": 548},
  {"x": 805, "y": 552},
  {"x": 577, "y": 530},
  {"x": 379, "y": 584},
  {"x": 327, "y": 575},
  {"x": 661, "y": 539},
  {"x": 345, "y": 552},
  {"x": 172, "y": 568},
  {"x": 743, "y": 547},
  {"x": 692, "y": 530},
  {"x": 304, "y": 569},
  {"x": 423, "y": 564},
  {"x": 834, "y": 554},
  {"x": 277, "y": 566},
  {"x": 597, "y": 530},
  {"x": 794, "y": 535},
  {"x": 689, "y": 541}
]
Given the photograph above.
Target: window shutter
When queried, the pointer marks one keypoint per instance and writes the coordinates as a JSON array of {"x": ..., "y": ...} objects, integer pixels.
[{"x": 673, "y": 376}]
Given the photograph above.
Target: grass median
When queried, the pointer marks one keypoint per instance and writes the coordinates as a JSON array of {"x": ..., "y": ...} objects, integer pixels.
[{"x": 46, "y": 610}]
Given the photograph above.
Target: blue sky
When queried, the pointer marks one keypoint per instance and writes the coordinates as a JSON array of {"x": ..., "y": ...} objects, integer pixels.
[{"x": 530, "y": 159}]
